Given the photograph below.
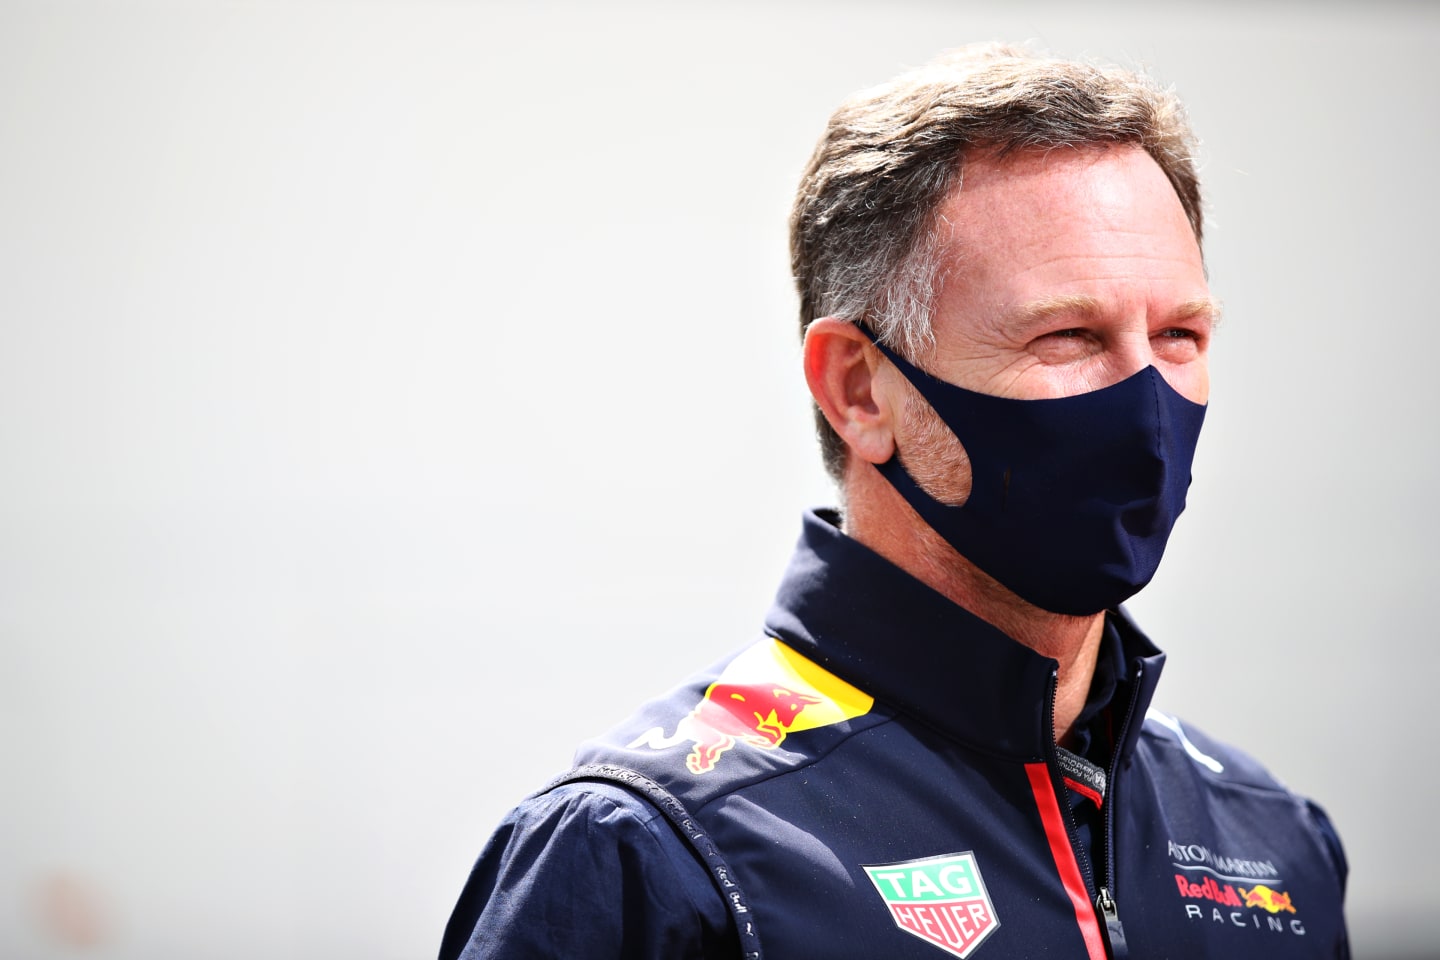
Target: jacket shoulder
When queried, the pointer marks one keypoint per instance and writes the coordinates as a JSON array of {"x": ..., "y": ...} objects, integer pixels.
[
  {"x": 737, "y": 724},
  {"x": 1191, "y": 761},
  {"x": 1168, "y": 734}
]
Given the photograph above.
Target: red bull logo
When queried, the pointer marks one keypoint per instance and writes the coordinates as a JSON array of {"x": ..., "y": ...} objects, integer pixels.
[
  {"x": 1272, "y": 901},
  {"x": 749, "y": 713},
  {"x": 762, "y": 696}
]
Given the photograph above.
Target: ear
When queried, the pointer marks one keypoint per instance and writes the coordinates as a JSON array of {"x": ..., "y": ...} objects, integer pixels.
[{"x": 841, "y": 366}]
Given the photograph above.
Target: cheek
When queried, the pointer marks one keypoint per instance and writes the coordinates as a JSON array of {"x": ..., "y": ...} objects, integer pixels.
[{"x": 1191, "y": 380}]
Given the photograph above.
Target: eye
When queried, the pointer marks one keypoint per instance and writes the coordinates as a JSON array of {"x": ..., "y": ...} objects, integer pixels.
[
  {"x": 1063, "y": 346},
  {"x": 1178, "y": 344}
]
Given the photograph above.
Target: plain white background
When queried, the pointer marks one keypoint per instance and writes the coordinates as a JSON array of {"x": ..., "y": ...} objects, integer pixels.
[{"x": 392, "y": 394}]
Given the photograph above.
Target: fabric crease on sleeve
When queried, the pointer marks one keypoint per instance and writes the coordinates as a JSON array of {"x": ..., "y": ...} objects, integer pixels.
[{"x": 585, "y": 872}]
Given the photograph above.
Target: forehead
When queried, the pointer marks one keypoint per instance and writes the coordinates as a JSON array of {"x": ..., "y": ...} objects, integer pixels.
[
  {"x": 993, "y": 182},
  {"x": 1089, "y": 221}
]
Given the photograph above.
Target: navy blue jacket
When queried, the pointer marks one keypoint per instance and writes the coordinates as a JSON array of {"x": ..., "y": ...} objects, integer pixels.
[{"x": 880, "y": 773}]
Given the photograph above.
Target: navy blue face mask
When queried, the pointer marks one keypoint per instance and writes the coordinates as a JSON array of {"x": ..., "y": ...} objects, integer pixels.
[{"x": 1071, "y": 499}]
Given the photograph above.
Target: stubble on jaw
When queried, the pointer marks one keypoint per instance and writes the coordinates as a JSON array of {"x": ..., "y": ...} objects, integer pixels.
[{"x": 930, "y": 452}]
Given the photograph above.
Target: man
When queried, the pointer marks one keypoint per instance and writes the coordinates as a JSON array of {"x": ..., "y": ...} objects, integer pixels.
[{"x": 942, "y": 743}]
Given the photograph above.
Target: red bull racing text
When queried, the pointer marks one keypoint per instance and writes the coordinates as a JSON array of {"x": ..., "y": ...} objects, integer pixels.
[{"x": 1235, "y": 899}]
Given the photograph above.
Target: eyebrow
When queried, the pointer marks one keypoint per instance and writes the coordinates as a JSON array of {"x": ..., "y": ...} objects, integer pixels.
[
  {"x": 1038, "y": 311},
  {"x": 1202, "y": 307}
]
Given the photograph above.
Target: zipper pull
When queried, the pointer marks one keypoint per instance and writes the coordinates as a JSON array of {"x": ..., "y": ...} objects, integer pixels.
[{"x": 1114, "y": 932}]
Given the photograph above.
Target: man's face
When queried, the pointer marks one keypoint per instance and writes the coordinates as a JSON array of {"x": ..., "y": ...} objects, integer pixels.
[
  {"x": 1066, "y": 271},
  {"x": 1071, "y": 270}
]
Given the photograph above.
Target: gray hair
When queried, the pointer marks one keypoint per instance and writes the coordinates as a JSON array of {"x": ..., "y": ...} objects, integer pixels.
[{"x": 862, "y": 241}]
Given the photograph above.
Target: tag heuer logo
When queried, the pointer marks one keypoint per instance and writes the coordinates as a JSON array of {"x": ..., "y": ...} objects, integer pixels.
[{"x": 941, "y": 899}]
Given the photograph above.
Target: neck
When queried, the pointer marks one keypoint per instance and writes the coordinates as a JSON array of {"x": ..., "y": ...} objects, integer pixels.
[{"x": 888, "y": 525}]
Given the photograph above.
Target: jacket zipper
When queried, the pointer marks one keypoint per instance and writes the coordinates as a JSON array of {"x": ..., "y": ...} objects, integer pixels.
[
  {"x": 1105, "y": 899},
  {"x": 1087, "y": 869},
  {"x": 1099, "y": 888}
]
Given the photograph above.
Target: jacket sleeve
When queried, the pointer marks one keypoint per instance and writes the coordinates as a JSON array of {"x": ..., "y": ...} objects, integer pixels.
[{"x": 588, "y": 872}]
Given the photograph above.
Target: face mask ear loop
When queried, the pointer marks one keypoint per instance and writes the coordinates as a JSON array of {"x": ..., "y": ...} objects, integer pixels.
[
  {"x": 908, "y": 370},
  {"x": 892, "y": 469},
  {"x": 935, "y": 513}
]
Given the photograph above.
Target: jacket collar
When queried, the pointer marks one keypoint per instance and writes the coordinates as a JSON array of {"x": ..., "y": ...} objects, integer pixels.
[{"x": 853, "y": 612}]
